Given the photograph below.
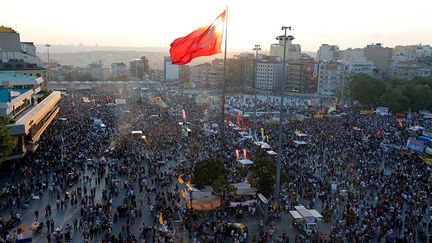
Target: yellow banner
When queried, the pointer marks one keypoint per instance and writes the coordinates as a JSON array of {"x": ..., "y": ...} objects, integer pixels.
[
  {"x": 180, "y": 180},
  {"x": 160, "y": 218}
]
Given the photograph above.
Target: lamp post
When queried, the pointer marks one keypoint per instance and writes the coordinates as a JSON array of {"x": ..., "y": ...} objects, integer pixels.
[
  {"x": 284, "y": 37},
  {"x": 48, "y": 68},
  {"x": 256, "y": 49}
]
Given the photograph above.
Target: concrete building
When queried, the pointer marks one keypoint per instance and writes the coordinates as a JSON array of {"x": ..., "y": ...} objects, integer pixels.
[
  {"x": 31, "y": 106},
  {"x": 351, "y": 55},
  {"x": 139, "y": 68},
  {"x": 241, "y": 70},
  {"x": 171, "y": 71},
  {"x": 156, "y": 75},
  {"x": 97, "y": 71},
  {"x": 380, "y": 56},
  {"x": 328, "y": 53},
  {"x": 118, "y": 70},
  {"x": 293, "y": 51},
  {"x": 301, "y": 77},
  {"x": 412, "y": 52},
  {"x": 365, "y": 67},
  {"x": 269, "y": 73},
  {"x": 331, "y": 76},
  {"x": 12, "y": 50},
  {"x": 207, "y": 74},
  {"x": 408, "y": 70}
]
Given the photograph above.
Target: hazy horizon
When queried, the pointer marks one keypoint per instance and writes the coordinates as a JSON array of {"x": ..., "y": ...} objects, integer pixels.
[{"x": 155, "y": 24}]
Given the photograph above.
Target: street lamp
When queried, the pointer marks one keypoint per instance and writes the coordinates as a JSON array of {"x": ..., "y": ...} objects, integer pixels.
[
  {"x": 48, "y": 68},
  {"x": 256, "y": 49},
  {"x": 284, "y": 37}
]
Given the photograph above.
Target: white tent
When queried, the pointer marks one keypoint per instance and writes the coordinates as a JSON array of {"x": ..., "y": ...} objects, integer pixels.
[
  {"x": 265, "y": 146},
  {"x": 300, "y": 142},
  {"x": 245, "y": 161},
  {"x": 271, "y": 152}
]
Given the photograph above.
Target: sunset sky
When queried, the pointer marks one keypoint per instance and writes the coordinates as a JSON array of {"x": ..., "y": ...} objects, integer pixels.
[{"x": 145, "y": 23}]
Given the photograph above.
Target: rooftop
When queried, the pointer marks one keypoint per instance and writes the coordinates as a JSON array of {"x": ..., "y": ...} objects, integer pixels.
[
  {"x": 19, "y": 66},
  {"x": 4, "y": 29},
  {"x": 4, "y": 94},
  {"x": 11, "y": 78}
]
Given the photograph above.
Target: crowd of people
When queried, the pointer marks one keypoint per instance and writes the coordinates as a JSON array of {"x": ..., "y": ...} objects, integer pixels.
[{"x": 105, "y": 184}]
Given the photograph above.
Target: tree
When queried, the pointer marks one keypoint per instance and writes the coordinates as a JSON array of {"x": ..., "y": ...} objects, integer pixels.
[
  {"x": 422, "y": 97},
  {"x": 7, "y": 142},
  {"x": 208, "y": 172},
  {"x": 264, "y": 170},
  {"x": 395, "y": 100},
  {"x": 367, "y": 90}
]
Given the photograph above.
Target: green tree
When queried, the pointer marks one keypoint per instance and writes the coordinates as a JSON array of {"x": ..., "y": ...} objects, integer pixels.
[
  {"x": 69, "y": 77},
  {"x": 367, "y": 90},
  {"x": 395, "y": 100},
  {"x": 422, "y": 97},
  {"x": 208, "y": 172},
  {"x": 7, "y": 142},
  {"x": 264, "y": 170}
]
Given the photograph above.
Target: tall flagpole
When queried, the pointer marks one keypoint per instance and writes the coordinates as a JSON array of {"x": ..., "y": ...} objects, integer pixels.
[{"x": 222, "y": 129}]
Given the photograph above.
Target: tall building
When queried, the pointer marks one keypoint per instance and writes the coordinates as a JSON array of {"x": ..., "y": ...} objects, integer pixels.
[
  {"x": 118, "y": 70},
  {"x": 410, "y": 69},
  {"x": 156, "y": 75},
  {"x": 97, "y": 71},
  {"x": 365, "y": 67},
  {"x": 18, "y": 56},
  {"x": 351, "y": 55},
  {"x": 300, "y": 76},
  {"x": 207, "y": 74},
  {"x": 412, "y": 52},
  {"x": 171, "y": 71},
  {"x": 185, "y": 73},
  {"x": 269, "y": 73},
  {"x": 31, "y": 106},
  {"x": 380, "y": 56},
  {"x": 331, "y": 76},
  {"x": 293, "y": 51},
  {"x": 241, "y": 70},
  {"x": 139, "y": 68},
  {"x": 328, "y": 53}
]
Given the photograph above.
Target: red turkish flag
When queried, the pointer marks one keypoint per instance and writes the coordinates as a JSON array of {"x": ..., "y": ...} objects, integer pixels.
[{"x": 204, "y": 41}]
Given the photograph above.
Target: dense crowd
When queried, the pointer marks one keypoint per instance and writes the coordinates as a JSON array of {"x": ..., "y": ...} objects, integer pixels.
[{"x": 113, "y": 186}]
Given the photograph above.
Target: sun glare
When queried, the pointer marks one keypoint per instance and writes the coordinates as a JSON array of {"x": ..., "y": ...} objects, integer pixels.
[{"x": 219, "y": 25}]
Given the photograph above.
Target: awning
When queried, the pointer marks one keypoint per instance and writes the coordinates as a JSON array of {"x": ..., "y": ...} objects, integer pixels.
[{"x": 245, "y": 161}]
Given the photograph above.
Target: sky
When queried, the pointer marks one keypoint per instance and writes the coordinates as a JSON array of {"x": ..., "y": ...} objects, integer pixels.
[{"x": 156, "y": 23}]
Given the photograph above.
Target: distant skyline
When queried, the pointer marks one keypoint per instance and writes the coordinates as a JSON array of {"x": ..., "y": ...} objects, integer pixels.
[{"x": 138, "y": 23}]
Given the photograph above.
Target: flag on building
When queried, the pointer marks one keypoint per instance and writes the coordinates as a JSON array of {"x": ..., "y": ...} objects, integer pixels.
[{"x": 204, "y": 41}]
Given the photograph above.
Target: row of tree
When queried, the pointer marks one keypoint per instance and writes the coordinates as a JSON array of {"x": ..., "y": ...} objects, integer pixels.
[{"x": 398, "y": 95}]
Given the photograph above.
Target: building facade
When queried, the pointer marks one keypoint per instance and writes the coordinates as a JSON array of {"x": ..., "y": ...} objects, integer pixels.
[
  {"x": 328, "y": 53},
  {"x": 268, "y": 73},
  {"x": 331, "y": 76},
  {"x": 118, "y": 70},
  {"x": 380, "y": 57},
  {"x": 407, "y": 70},
  {"x": 300, "y": 76},
  {"x": 31, "y": 107},
  {"x": 171, "y": 71},
  {"x": 139, "y": 68},
  {"x": 293, "y": 51},
  {"x": 97, "y": 71}
]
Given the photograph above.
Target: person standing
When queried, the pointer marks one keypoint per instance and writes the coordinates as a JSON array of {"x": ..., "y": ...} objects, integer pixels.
[{"x": 36, "y": 213}]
